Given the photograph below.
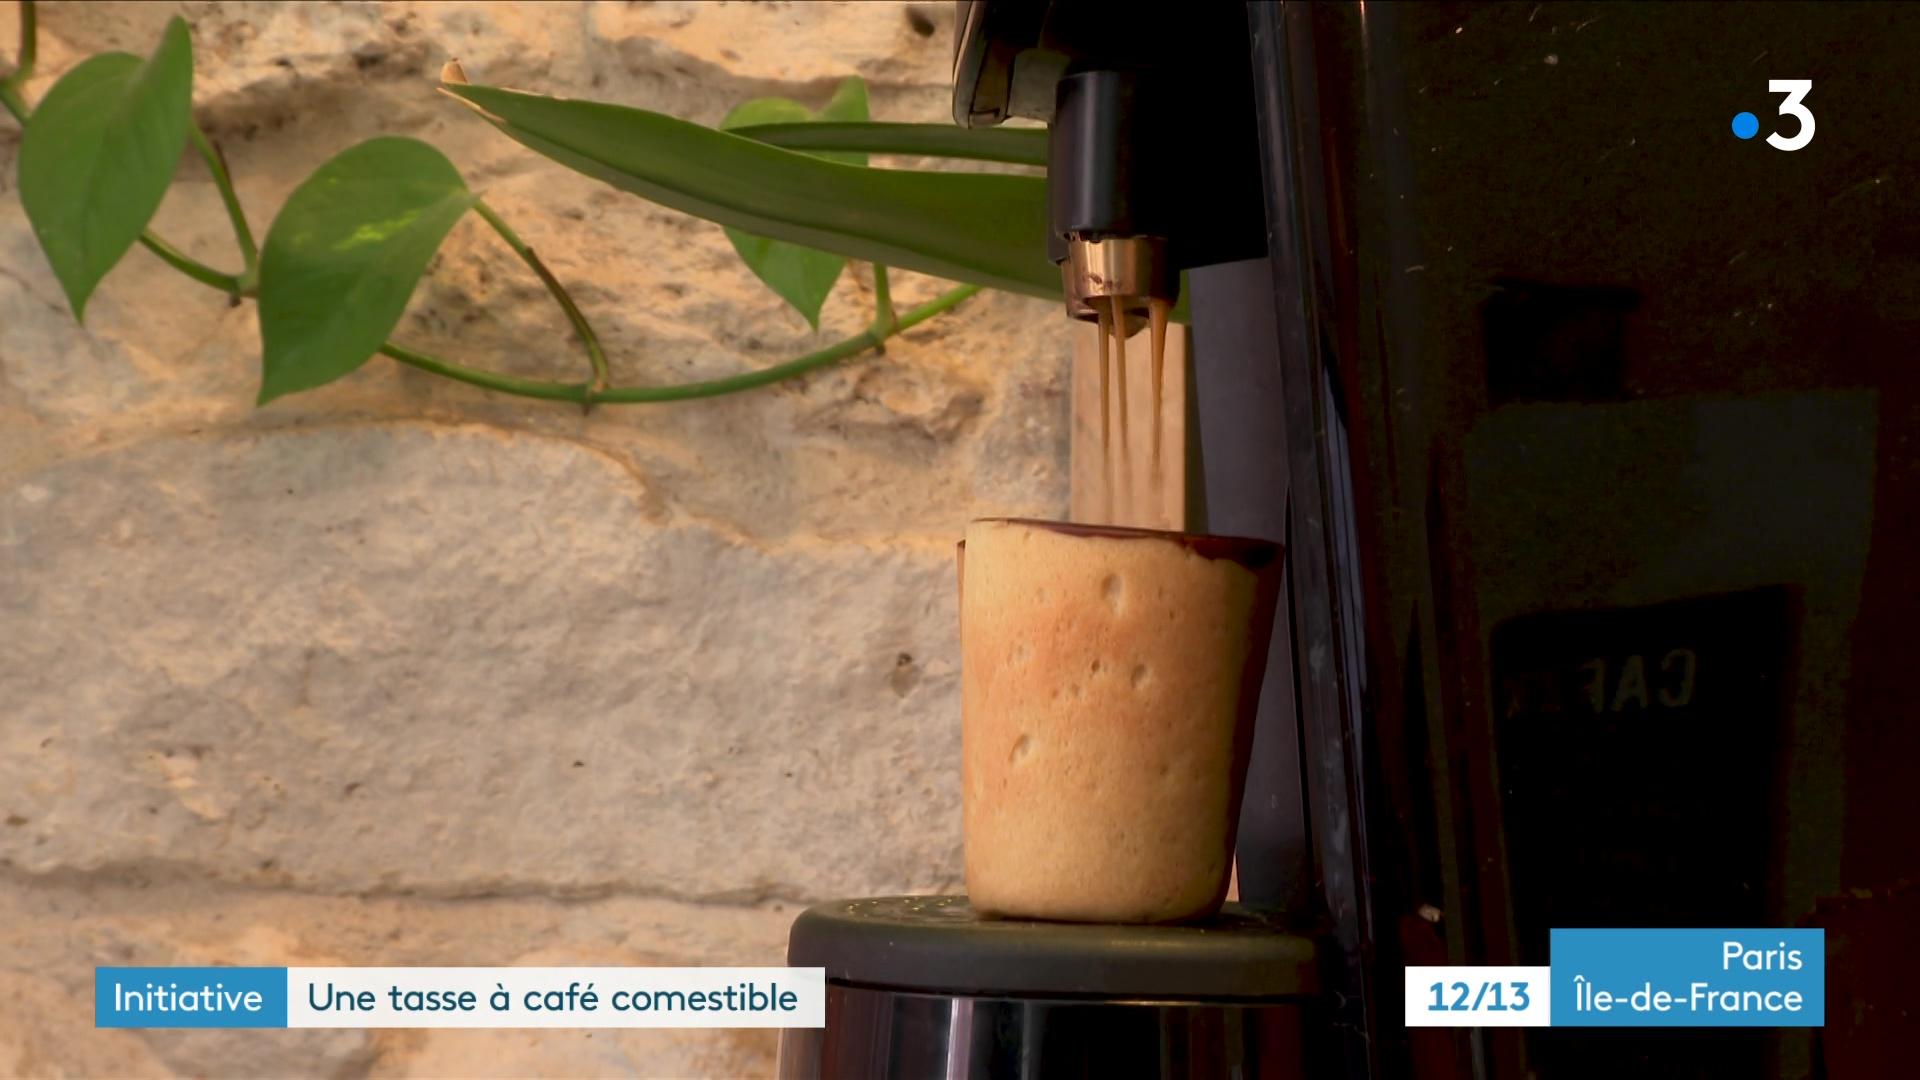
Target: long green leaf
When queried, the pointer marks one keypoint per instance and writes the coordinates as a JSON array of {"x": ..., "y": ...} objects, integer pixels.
[
  {"x": 802, "y": 276},
  {"x": 1015, "y": 146},
  {"x": 986, "y": 229},
  {"x": 99, "y": 153},
  {"x": 344, "y": 255}
]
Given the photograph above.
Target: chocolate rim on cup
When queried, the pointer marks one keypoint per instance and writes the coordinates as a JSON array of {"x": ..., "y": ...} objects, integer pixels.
[{"x": 1109, "y": 681}]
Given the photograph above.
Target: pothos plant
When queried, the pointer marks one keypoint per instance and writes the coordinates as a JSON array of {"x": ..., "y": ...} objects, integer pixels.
[{"x": 341, "y": 258}]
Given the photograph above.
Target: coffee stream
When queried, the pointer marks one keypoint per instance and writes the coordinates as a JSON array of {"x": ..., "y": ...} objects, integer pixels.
[{"x": 1118, "y": 505}]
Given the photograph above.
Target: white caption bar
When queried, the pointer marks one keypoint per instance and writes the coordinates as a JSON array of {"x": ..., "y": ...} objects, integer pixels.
[
  {"x": 1464, "y": 996},
  {"x": 543, "y": 997}
]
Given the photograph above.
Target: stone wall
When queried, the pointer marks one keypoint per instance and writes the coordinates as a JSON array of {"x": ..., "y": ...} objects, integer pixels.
[{"x": 404, "y": 672}]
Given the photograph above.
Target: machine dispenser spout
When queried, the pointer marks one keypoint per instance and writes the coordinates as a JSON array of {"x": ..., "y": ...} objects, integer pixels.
[
  {"x": 1113, "y": 207},
  {"x": 1128, "y": 271},
  {"x": 1139, "y": 188}
]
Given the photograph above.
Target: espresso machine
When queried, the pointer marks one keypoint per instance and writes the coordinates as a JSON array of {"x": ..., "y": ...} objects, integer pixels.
[{"x": 1591, "y": 428}]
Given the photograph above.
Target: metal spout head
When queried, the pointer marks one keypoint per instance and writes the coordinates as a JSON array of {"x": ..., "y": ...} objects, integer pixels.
[{"x": 1132, "y": 270}]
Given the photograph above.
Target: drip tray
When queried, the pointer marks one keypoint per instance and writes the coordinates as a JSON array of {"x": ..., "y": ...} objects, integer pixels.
[{"x": 921, "y": 986}]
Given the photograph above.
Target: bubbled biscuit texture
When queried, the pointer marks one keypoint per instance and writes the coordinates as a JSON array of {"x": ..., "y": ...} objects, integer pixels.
[{"x": 1101, "y": 682}]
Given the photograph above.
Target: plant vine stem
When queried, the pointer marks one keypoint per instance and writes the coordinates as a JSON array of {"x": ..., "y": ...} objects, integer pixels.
[
  {"x": 193, "y": 268},
  {"x": 242, "y": 235},
  {"x": 634, "y": 395},
  {"x": 884, "y": 319},
  {"x": 10, "y": 97},
  {"x": 596, "y": 356},
  {"x": 506, "y": 384},
  {"x": 29, "y": 44}
]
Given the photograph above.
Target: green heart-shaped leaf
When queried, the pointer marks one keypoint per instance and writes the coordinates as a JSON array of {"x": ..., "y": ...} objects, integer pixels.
[
  {"x": 343, "y": 257},
  {"x": 802, "y": 276},
  {"x": 99, "y": 153}
]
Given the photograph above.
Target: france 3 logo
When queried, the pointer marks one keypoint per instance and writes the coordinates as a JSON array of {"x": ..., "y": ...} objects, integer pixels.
[{"x": 1746, "y": 125}]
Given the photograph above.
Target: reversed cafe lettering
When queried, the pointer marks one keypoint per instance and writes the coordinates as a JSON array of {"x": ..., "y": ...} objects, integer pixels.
[{"x": 1601, "y": 684}]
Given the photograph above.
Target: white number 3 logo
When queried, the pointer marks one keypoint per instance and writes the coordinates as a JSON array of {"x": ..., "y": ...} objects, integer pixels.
[{"x": 1795, "y": 89}]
